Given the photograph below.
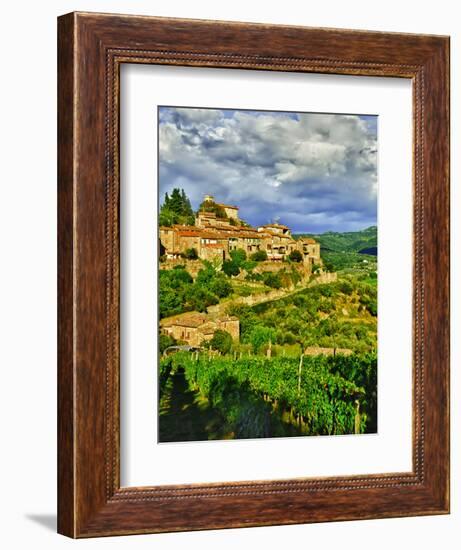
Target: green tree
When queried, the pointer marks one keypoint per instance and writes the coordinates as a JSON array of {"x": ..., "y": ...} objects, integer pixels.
[
  {"x": 199, "y": 298},
  {"x": 272, "y": 279},
  {"x": 220, "y": 286},
  {"x": 211, "y": 206},
  {"x": 205, "y": 275},
  {"x": 165, "y": 341},
  {"x": 261, "y": 335},
  {"x": 296, "y": 256},
  {"x": 191, "y": 254},
  {"x": 259, "y": 256},
  {"x": 230, "y": 268},
  {"x": 238, "y": 256},
  {"x": 221, "y": 341},
  {"x": 176, "y": 209}
]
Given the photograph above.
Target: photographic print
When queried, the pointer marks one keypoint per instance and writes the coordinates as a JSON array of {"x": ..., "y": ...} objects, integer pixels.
[{"x": 268, "y": 274}]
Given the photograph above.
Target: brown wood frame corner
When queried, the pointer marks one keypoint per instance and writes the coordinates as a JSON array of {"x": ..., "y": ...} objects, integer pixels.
[{"x": 91, "y": 48}]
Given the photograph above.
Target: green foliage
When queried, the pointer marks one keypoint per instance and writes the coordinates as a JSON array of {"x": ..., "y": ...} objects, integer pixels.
[
  {"x": 314, "y": 317},
  {"x": 176, "y": 209},
  {"x": 221, "y": 341},
  {"x": 296, "y": 256},
  {"x": 249, "y": 265},
  {"x": 211, "y": 206},
  {"x": 353, "y": 251},
  {"x": 179, "y": 292},
  {"x": 230, "y": 268},
  {"x": 259, "y": 256},
  {"x": 259, "y": 336},
  {"x": 272, "y": 280},
  {"x": 345, "y": 287},
  {"x": 275, "y": 279},
  {"x": 165, "y": 369},
  {"x": 165, "y": 341},
  {"x": 348, "y": 261},
  {"x": 191, "y": 254},
  {"x": 323, "y": 397},
  {"x": 238, "y": 256},
  {"x": 172, "y": 286},
  {"x": 220, "y": 285},
  {"x": 352, "y": 241},
  {"x": 206, "y": 274},
  {"x": 198, "y": 298}
]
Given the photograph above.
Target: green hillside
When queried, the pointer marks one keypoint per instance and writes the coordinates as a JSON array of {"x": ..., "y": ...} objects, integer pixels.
[
  {"x": 352, "y": 241},
  {"x": 350, "y": 252}
]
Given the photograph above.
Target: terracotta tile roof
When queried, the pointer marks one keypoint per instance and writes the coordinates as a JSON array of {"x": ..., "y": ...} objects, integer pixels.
[
  {"x": 196, "y": 233},
  {"x": 230, "y": 228},
  {"x": 179, "y": 227}
]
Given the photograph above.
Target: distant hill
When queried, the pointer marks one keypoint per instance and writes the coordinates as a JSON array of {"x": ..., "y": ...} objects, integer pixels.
[{"x": 363, "y": 242}]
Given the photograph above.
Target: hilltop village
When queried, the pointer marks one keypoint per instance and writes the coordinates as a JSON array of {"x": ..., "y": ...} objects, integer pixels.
[
  {"x": 218, "y": 230},
  {"x": 216, "y": 233}
]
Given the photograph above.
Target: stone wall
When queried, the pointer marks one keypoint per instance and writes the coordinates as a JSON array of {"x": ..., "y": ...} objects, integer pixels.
[
  {"x": 252, "y": 300},
  {"x": 304, "y": 269},
  {"x": 316, "y": 350},
  {"x": 324, "y": 278},
  {"x": 192, "y": 266}
]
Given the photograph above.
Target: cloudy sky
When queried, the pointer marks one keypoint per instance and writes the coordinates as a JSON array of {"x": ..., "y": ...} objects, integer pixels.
[{"x": 312, "y": 172}]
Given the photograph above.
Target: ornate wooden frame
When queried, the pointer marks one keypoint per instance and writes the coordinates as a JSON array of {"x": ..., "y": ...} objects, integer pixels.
[{"x": 91, "y": 48}]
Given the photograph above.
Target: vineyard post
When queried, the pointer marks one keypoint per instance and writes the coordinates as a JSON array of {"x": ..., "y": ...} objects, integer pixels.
[
  {"x": 299, "y": 372},
  {"x": 357, "y": 417}
]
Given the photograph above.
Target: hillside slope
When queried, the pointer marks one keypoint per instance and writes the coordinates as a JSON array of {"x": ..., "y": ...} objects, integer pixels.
[{"x": 365, "y": 240}]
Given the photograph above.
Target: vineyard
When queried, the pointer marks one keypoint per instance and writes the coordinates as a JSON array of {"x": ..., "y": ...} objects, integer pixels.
[{"x": 256, "y": 396}]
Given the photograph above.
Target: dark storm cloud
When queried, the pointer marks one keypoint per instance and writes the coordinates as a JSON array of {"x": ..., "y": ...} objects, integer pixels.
[{"x": 314, "y": 172}]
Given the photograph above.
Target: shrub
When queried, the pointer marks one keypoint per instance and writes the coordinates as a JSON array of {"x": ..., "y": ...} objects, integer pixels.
[
  {"x": 199, "y": 298},
  {"x": 296, "y": 256},
  {"x": 259, "y": 256},
  {"x": 230, "y": 268},
  {"x": 191, "y": 254},
  {"x": 221, "y": 341},
  {"x": 165, "y": 341},
  {"x": 373, "y": 308},
  {"x": 272, "y": 279},
  {"x": 211, "y": 206},
  {"x": 238, "y": 256},
  {"x": 254, "y": 277},
  {"x": 345, "y": 287},
  {"x": 206, "y": 275},
  {"x": 220, "y": 286},
  {"x": 325, "y": 290},
  {"x": 328, "y": 265},
  {"x": 261, "y": 335},
  {"x": 249, "y": 265}
]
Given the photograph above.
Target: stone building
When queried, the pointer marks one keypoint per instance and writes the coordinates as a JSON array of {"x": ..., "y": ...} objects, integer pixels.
[
  {"x": 194, "y": 328},
  {"x": 215, "y": 237}
]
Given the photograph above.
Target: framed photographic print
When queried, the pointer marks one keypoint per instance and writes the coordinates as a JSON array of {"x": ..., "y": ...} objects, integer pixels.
[{"x": 253, "y": 275}]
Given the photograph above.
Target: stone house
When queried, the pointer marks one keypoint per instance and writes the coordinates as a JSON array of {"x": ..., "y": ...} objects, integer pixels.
[{"x": 194, "y": 328}]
